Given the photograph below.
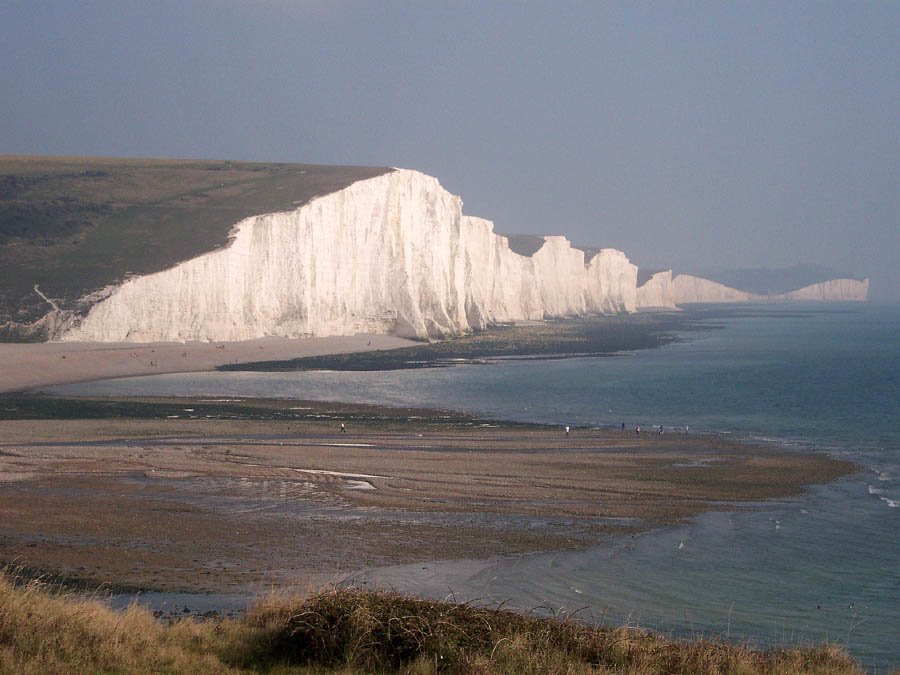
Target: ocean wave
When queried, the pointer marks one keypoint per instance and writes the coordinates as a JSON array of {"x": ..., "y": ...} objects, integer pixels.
[{"x": 893, "y": 503}]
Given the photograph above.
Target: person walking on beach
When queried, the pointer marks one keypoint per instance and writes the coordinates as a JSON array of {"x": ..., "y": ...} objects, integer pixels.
[
  {"x": 637, "y": 430},
  {"x": 343, "y": 429},
  {"x": 567, "y": 431}
]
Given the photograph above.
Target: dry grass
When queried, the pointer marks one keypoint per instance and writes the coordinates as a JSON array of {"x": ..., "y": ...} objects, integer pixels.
[
  {"x": 43, "y": 633},
  {"x": 384, "y": 632},
  {"x": 348, "y": 631}
]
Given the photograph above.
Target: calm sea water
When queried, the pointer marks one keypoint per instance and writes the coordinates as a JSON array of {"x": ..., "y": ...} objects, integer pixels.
[{"x": 825, "y": 565}]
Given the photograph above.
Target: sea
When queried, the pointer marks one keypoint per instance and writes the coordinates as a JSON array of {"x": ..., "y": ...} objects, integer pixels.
[{"x": 822, "y": 566}]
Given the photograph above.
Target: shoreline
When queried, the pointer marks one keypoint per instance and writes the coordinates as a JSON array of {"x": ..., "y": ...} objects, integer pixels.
[{"x": 27, "y": 366}]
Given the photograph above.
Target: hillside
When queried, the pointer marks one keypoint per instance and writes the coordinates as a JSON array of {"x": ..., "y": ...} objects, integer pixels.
[{"x": 73, "y": 226}]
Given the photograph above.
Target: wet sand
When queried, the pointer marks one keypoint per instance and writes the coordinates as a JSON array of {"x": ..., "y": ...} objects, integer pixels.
[
  {"x": 224, "y": 505},
  {"x": 26, "y": 366}
]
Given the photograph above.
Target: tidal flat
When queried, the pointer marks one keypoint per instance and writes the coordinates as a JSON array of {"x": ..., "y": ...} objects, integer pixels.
[
  {"x": 235, "y": 496},
  {"x": 217, "y": 494}
]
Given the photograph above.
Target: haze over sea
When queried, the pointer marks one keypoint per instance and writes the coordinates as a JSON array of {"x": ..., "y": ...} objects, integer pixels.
[{"x": 825, "y": 565}]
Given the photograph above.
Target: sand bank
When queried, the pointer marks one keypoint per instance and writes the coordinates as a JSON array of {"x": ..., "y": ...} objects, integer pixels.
[{"x": 26, "y": 366}]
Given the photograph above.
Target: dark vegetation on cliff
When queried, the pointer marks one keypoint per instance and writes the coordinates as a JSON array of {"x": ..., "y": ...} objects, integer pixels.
[{"x": 72, "y": 226}]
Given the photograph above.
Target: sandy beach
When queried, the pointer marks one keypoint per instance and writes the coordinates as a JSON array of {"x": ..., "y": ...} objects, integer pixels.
[{"x": 25, "y": 366}]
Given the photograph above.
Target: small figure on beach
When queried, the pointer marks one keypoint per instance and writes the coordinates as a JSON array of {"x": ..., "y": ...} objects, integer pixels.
[
  {"x": 567, "y": 431},
  {"x": 623, "y": 426},
  {"x": 343, "y": 428},
  {"x": 660, "y": 429},
  {"x": 637, "y": 430}
]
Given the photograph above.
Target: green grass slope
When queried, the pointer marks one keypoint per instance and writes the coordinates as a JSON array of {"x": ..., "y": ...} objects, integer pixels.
[{"x": 73, "y": 226}]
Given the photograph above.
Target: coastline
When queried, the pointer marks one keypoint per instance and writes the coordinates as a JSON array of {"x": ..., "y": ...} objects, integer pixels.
[
  {"x": 222, "y": 498},
  {"x": 29, "y": 366}
]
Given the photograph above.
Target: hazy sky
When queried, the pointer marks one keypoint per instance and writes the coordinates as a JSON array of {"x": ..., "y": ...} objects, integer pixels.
[{"x": 692, "y": 135}]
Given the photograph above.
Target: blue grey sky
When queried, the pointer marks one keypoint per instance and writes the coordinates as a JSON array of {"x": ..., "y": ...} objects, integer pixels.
[{"x": 693, "y": 135}]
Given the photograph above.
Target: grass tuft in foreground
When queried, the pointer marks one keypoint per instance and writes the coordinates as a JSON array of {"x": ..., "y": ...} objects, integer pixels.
[
  {"x": 373, "y": 631},
  {"x": 351, "y": 631}
]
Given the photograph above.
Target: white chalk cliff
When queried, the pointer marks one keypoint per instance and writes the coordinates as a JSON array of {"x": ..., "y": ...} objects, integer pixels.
[
  {"x": 656, "y": 292},
  {"x": 687, "y": 289},
  {"x": 390, "y": 254},
  {"x": 839, "y": 290}
]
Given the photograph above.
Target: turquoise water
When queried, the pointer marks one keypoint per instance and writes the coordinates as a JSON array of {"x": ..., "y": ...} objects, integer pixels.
[{"x": 825, "y": 565}]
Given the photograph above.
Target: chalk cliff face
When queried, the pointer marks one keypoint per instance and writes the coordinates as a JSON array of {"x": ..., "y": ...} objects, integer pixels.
[
  {"x": 611, "y": 284},
  {"x": 656, "y": 292},
  {"x": 839, "y": 290},
  {"x": 391, "y": 254},
  {"x": 687, "y": 289}
]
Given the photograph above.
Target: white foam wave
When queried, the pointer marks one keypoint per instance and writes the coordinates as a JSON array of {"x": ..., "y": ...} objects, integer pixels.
[{"x": 894, "y": 504}]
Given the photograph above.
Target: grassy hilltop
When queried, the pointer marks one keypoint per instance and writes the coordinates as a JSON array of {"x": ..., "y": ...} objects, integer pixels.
[{"x": 72, "y": 226}]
